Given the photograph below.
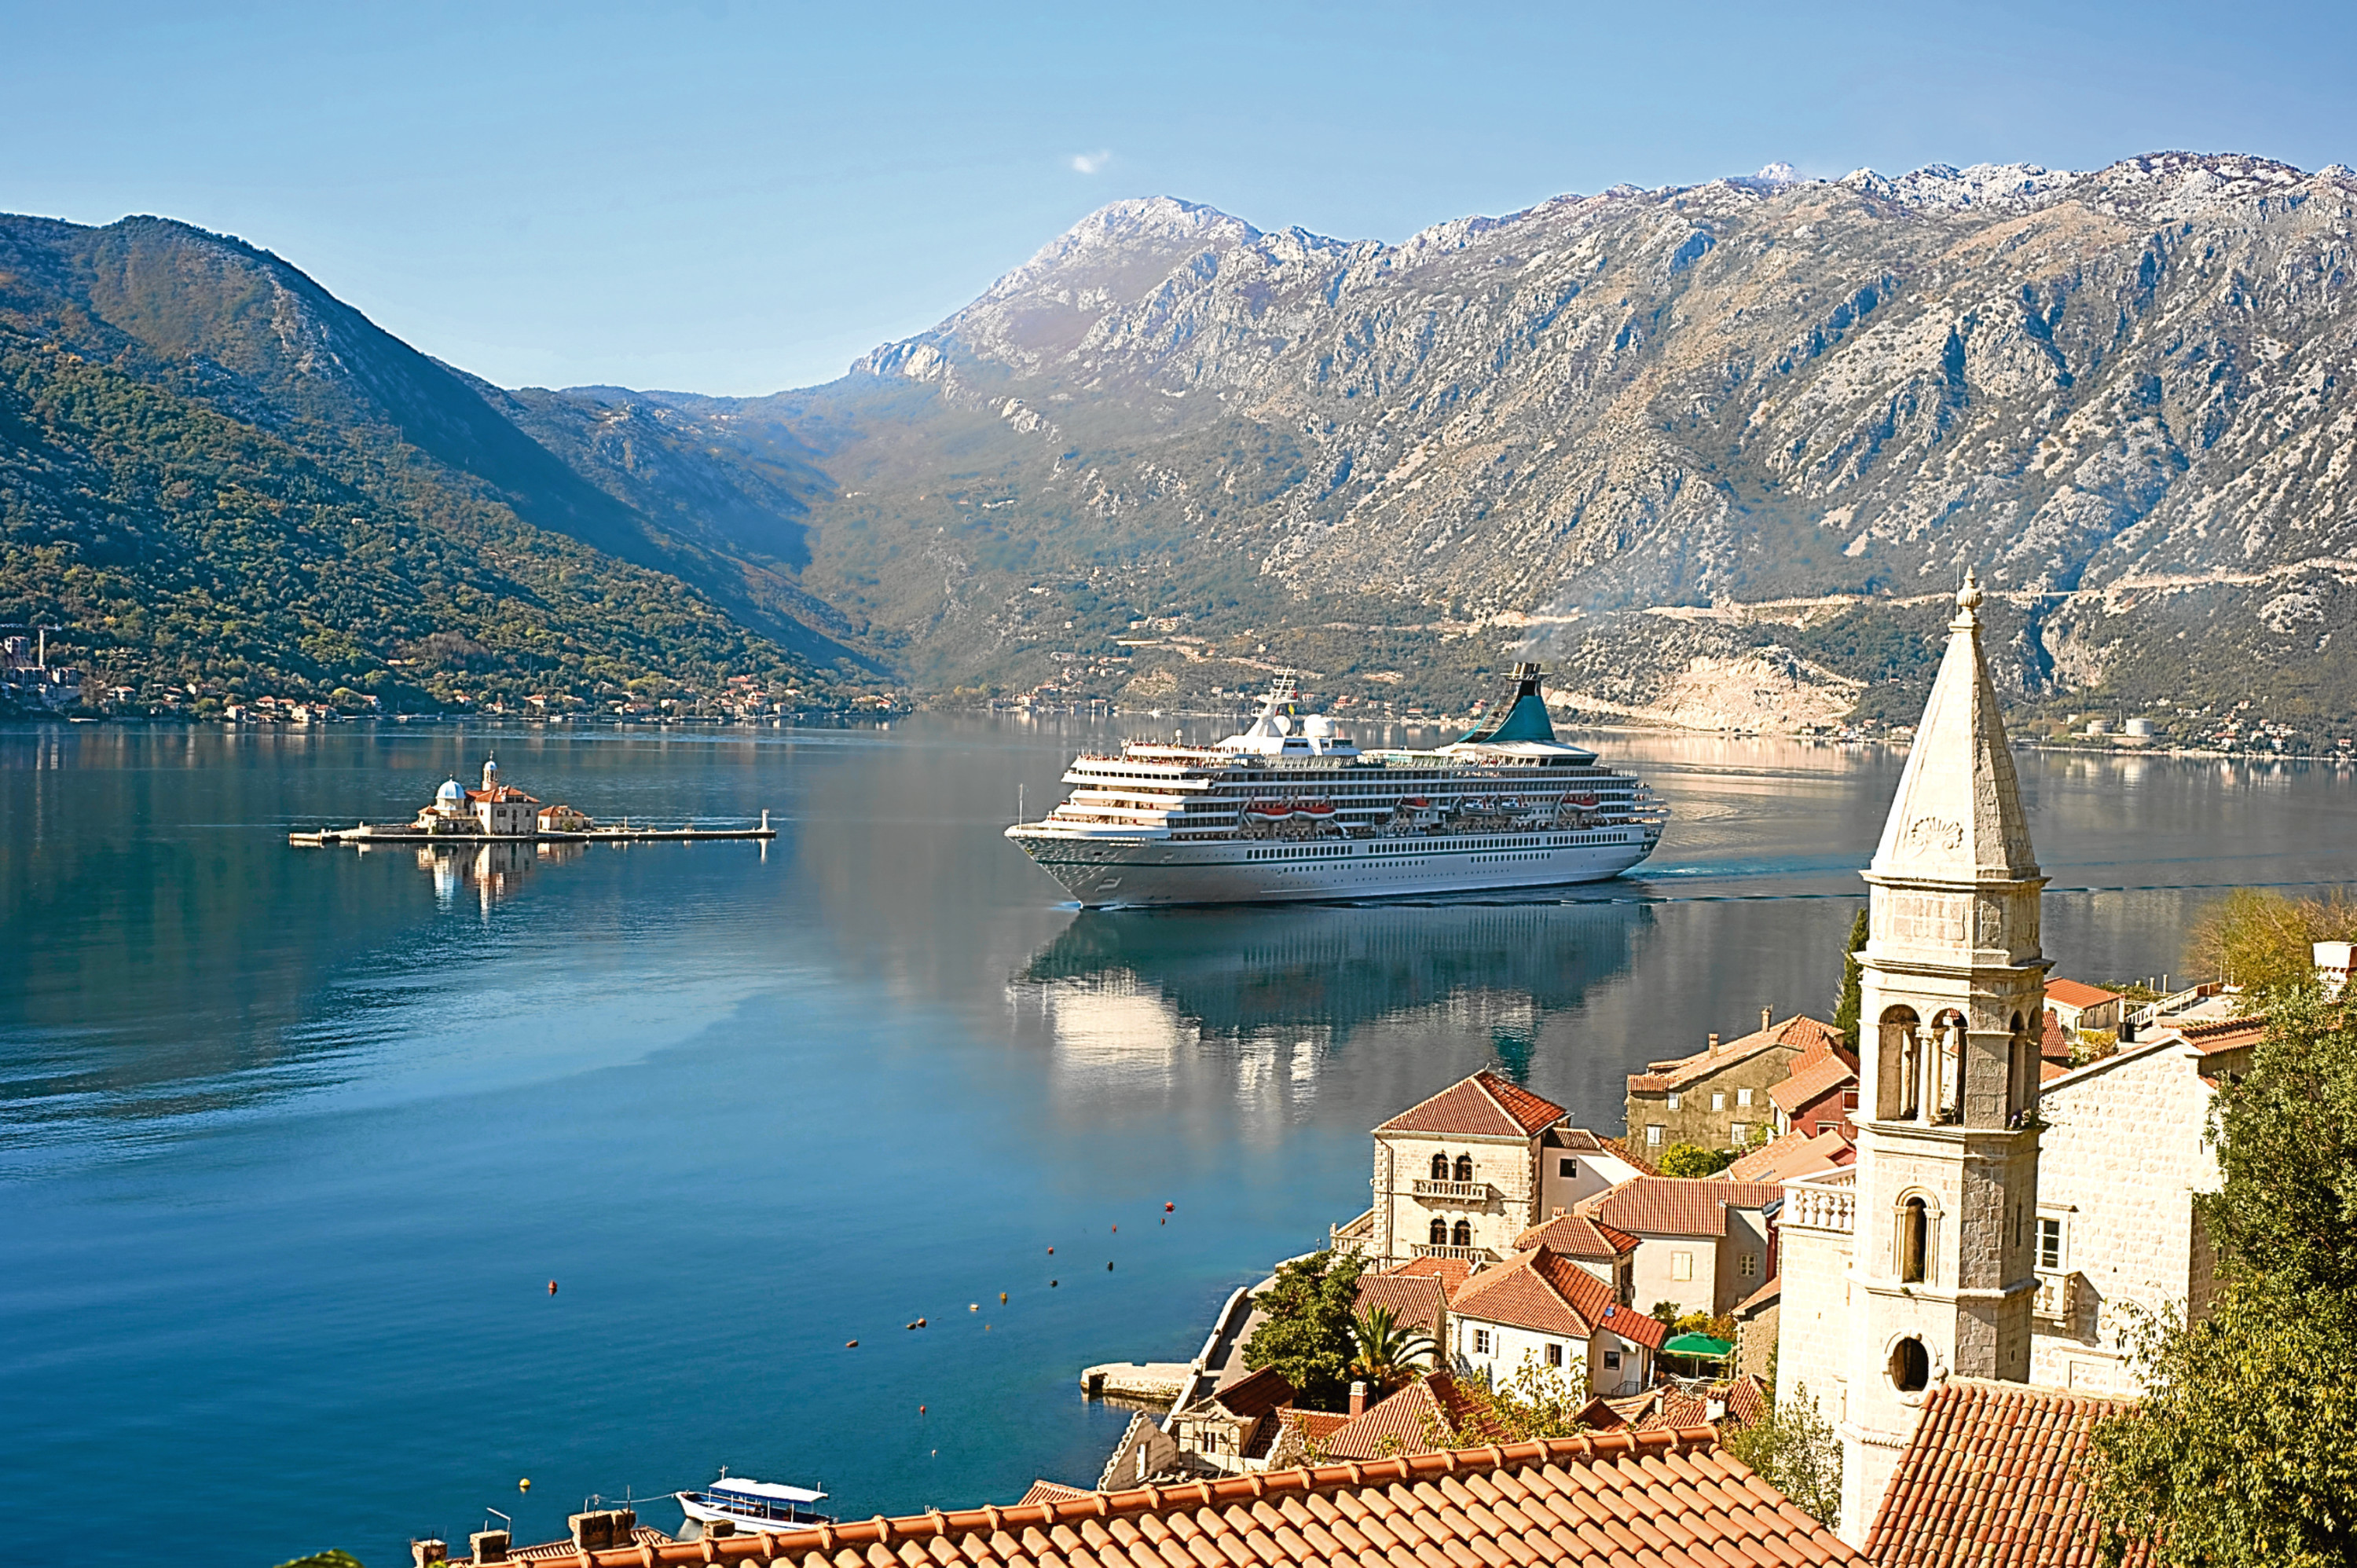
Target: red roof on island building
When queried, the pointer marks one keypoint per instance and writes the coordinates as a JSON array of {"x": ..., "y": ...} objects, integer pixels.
[{"x": 1484, "y": 1105}]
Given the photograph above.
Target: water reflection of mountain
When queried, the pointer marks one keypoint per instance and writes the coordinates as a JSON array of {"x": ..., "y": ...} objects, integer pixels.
[{"x": 1335, "y": 968}]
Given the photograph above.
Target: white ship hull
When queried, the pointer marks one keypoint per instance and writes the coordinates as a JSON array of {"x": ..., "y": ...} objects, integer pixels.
[{"x": 1102, "y": 873}]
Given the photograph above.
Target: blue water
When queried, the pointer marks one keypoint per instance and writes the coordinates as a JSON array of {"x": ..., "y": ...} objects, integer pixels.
[{"x": 294, "y": 1140}]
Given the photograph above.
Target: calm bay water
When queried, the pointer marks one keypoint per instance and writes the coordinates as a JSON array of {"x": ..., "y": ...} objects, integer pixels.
[{"x": 294, "y": 1140}]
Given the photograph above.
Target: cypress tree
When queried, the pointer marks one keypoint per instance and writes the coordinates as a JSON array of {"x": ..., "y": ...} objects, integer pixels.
[{"x": 1847, "y": 1004}]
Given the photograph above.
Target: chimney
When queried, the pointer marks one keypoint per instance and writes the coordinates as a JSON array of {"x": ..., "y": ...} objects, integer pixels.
[
  {"x": 488, "y": 1546},
  {"x": 1357, "y": 1399},
  {"x": 425, "y": 1553},
  {"x": 1767, "y": 1017},
  {"x": 1714, "y": 1044}
]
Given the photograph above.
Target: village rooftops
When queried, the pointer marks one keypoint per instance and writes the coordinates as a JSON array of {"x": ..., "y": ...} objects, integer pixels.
[
  {"x": 1995, "y": 1472},
  {"x": 1795, "y": 1154},
  {"x": 1599, "y": 1498},
  {"x": 1547, "y": 1295},
  {"x": 1811, "y": 1081},
  {"x": 2076, "y": 994},
  {"x": 1800, "y": 1033},
  {"x": 1482, "y": 1106},
  {"x": 1677, "y": 1205},
  {"x": 1579, "y": 1236},
  {"x": 1417, "y": 1302},
  {"x": 1419, "y": 1417}
]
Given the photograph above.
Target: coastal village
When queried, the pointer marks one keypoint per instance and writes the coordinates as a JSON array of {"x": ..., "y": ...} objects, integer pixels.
[{"x": 1934, "y": 1234}]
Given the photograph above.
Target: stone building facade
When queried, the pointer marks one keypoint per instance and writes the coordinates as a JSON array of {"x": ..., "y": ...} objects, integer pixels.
[{"x": 1719, "y": 1097}]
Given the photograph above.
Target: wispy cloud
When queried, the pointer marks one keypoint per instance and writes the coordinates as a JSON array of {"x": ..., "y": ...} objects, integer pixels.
[{"x": 1091, "y": 163}]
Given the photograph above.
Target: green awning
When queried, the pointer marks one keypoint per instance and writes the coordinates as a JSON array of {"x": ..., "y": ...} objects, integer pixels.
[{"x": 1697, "y": 1345}]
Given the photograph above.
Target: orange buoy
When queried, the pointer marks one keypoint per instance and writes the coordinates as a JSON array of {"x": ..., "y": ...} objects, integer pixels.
[
  {"x": 1051, "y": 1251},
  {"x": 1169, "y": 1208},
  {"x": 921, "y": 1409},
  {"x": 524, "y": 1484},
  {"x": 552, "y": 1287},
  {"x": 851, "y": 1344},
  {"x": 1002, "y": 1298},
  {"x": 1116, "y": 1229}
]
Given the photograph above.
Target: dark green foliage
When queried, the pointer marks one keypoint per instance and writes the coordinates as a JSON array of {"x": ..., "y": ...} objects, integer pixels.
[
  {"x": 1847, "y": 1002},
  {"x": 2245, "y": 1452},
  {"x": 1306, "y": 1334},
  {"x": 329, "y": 1559},
  {"x": 1793, "y": 1449},
  {"x": 1386, "y": 1354},
  {"x": 1693, "y": 1160}
]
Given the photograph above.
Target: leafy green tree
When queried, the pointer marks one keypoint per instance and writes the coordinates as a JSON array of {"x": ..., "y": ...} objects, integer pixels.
[
  {"x": 1306, "y": 1333},
  {"x": 1388, "y": 1354},
  {"x": 2261, "y": 940},
  {"x": 1847, "y": 1002},
  {"x": 2244, "y": 1449},
  {"x": 1792, "y": 1449},
  {"x": 1693, "y": 1160},
  {"x": 329, "y": 1559}
]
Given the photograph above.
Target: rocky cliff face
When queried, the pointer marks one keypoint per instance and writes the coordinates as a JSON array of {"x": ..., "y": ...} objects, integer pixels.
[{"x": 2125, "y": 396}]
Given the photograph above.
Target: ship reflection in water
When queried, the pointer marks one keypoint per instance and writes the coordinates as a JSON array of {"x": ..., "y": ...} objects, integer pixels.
[
  {"x": 495, "y": 872},
  {"x": 1254, "y": 1006}
]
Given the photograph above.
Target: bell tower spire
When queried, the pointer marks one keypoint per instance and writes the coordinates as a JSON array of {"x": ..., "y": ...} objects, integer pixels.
[{"x": 1951, "y": 990}]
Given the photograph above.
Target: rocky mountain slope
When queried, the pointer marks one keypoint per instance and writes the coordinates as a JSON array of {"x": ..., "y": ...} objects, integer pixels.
[
  {"x": 2124, "y": 396},
  {"x": 214, "y": 475}
]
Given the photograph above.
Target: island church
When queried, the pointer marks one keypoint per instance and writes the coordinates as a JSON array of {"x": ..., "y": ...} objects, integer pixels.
[{"x": 1924, "y": 1269}]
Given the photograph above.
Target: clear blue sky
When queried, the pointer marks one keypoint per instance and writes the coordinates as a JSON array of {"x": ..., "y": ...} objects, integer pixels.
[{"x": 735, "y": 197}]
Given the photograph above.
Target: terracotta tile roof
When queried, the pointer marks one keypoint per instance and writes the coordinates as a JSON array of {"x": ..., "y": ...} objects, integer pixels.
[
  {"x": 1811, "y": 1081},
  {"x": 1799, "y": 1033},
  {"x": 1050, "y": 1492},
  {"x": 1744, "y": 1400},
  {"x": 1315, "y": 1424},
  {"x": 1577, "y": 1236},
  {"x": 2053, "y": 1045},
  {"x": 1256, "y": 1395},
  {"x": 1549, "y": 1294},
  {"x": 2072, "y": 993},
  {"x": 1614, "y": 1498},
  {"x": 1677, "y": 1205},
  {"x": 2224, "y": 1035},
  {"x": 566, "y": 1551},
  {"x": 1482, "y": 1105},
  {"x": 1770, "y": 1291},
  {"x": 1418, "y": 1418},
  {"x": 1994, "y": 1474},
  {"x": 1450, "y": 1272},
  {"x": 1579, "y": 1139},
  {"x": 1629, "y": 1151},
  {"x": 1417, "y": 1301},
  {"x": 1793, "y": 1155}
]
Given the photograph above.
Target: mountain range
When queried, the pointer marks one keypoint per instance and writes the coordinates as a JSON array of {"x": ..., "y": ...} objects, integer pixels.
[{"x": 1719, "y": 452}]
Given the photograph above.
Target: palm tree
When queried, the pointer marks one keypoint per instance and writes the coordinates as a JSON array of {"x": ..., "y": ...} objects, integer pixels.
[{"x": 1388, "y": 1353}]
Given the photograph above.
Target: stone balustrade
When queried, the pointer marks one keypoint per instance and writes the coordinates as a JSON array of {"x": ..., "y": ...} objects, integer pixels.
[
  {"x": 1810, "y": 1207},
  {"x": 1457, "y": 1191}
]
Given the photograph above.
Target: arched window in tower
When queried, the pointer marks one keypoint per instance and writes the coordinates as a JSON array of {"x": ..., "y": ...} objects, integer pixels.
[
  {"x": 1462, "y": 1236},
  {"x": 1914, "y": 1241},
  {"x": 1898, "y": 1079},
  {"x": 1440, "y": 1232},
  {"x": 1464, "y": 1167},
  {"x": 1948, "y": 1068},
  {"x": 1910, "y": 1366},
  {"x": 1440, "y": 1167}
]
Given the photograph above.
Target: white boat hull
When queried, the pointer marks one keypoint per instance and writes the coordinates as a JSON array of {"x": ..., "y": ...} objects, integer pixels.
[{"x": 1102, "y": 872}]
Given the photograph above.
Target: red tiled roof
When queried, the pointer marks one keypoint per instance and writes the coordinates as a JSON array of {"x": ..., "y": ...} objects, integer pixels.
[
  {"x": 1677, "y": 1205},
  {"x": 1772, "y": 1290},
  {"x": 1450, "y": 1272},
  {"x": 1994, "y": 1473},
  {"x": 2053, "y": 1045},
  {"x": 501, "y": 792},
  {"x": 1417, "y": 1418},
  {"x": 1480, "y": 1106},
  {"x": 1811, "y": 1081},
  {"x": 1547, "y": 1295},
  {"x": 1578, "y": 1138},
  {"x": 2072, "y": 993},
  {"x": 1256, "y": 1395},
  {"x": 1800, "y": 1033},
  {"x": 2224, "y": 1035},
  {"x": 1795, "y": 1154},
  {"x": 566, "y": 1551},
  {"x": 1549, "y": 1503},
  {"x": 1417, "y": 1301},
  {"x": 1594, "y": 1301},
  {"x": 1050, "y": 1492},
  {"x": 1315, "y": 1424},
  {"x": 1577, "y": 1236}
]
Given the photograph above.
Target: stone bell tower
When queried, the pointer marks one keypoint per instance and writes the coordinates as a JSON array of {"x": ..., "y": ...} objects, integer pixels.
[{"x": 1941, "y": 1278}]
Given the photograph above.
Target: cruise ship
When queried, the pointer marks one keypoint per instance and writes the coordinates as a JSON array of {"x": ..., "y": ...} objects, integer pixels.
[{"x": 1290, "y": 809}]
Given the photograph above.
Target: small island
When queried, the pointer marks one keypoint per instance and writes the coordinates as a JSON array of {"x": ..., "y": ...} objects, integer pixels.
[{"x": 502, "y": 813}]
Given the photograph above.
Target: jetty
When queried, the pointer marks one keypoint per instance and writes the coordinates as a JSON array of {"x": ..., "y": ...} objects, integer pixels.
[{"x": 498, "y": 813}]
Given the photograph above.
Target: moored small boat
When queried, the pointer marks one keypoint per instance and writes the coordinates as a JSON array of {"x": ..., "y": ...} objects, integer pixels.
[{"x": 754, "y": 1505}]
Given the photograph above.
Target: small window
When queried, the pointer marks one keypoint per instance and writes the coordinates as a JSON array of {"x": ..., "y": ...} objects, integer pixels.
[
  {"x": 1681, "y": 1265},
  {"x": 1464, "y": 1167},
  {"x": 1743, "y": 1098},
  {"x": 1612, "y": 1360},
  {"x": 1673, "y": 1099},
  {"x": 1480, "y": 1342},
  {"x": 1653, "y": 1135},
  {"x": 1440, "y": 1167},
  {"x": 1914, "y": 1241},
  {"x": 1554, "y": 1355},
  {"x": 1440, "y": 1232},
  {"x": 2049, "y": 1246},
  {"x": 1717, "y": 1099},
  {"x": 1737, "y": 1132},
  {"x": 1462, "y": 1236},
  {"x": 1567, "y": 1167},
  {"x": 1747, "y": 1265}
]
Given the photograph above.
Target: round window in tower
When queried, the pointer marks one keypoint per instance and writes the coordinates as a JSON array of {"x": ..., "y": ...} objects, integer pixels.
[{"x": 1910, "y": 1366}]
